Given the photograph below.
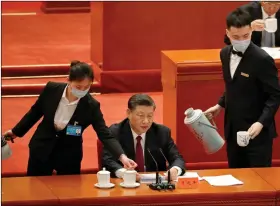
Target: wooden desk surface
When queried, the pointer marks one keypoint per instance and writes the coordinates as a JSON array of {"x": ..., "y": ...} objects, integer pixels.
[
  {"x": 196, "y": 56},
  {"x": 29, "y": 190},
  {"x": 270, "y": 175},
  {"x": 80, "y": 190}
]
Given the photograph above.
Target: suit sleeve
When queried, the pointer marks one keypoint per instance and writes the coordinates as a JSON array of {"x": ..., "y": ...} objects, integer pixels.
[
  {"x": 268, "y": 76},
  {"x": 173, "y": 155},
  {"x": 221, "y": 101},
  {"x": 110, "y": 162},
  {"x": 104, "y": 134},
  {"x": 32, "y": 116}
]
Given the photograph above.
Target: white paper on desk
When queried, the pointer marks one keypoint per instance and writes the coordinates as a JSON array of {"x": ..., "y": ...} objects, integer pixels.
[
  {"x": 222, "y": 180},
  {"x": 149, "y": 178},
  {"x": 273, "y": 52},
  {"x": 189, "y": 174}
]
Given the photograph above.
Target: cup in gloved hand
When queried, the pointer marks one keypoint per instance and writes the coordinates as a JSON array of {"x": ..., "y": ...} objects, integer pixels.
[{"x": 243, "y": 138}]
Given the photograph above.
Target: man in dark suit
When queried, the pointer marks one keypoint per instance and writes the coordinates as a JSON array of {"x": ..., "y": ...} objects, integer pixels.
[
  {"x": 252, "y": 95},
  {"x": 67, "y": 110},
  {"x": 260, "y": 11},
  {"x": 138, "y": 135}
]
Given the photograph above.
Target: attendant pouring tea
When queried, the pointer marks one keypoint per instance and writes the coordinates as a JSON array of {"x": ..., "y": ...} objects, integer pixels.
[{"x": 251, "y": 98}]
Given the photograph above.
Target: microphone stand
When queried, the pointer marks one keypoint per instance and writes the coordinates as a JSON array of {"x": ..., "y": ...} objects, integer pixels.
[
  {"x": 169, "y": 185},
  {"x": 168, "y": 177},
  {"x": 158, "y": 181},
  {"x": 158, "y": 185}
]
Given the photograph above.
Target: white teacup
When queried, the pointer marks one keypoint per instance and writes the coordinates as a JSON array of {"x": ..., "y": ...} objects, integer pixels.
[
  {"x": 129, "y": 177},
  {"x": 103, "y": 177},
  {"x": 243, "y": 138},
  {"x": 270, "y": 25}
]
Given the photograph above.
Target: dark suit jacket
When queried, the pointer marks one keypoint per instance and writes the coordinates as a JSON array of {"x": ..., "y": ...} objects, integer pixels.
[
  {"x": 254, "y": 8},
  {"x": 45, "y": 137},
  {"x": 253, "y": 95},
  {"x": 158, "y": 136}
]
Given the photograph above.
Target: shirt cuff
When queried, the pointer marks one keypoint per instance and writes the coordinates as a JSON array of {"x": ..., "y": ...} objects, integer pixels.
[
  {"x": 119, "y": 172},
  {"x": 120, "y": 157},
  {"x": 178, "y": 169}
]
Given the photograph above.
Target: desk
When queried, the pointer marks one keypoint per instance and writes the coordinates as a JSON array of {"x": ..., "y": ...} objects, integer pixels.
[
  {"x": 80, "y": 190},
  {"x": 272, "y": 176},
  {"x": 193, "y": 78},
  {"x": 26, "y": 191}
]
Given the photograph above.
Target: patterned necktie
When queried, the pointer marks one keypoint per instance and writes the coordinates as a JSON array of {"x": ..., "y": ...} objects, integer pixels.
[
  {"x": 139, "y": 155},
  {"x": 267, "y": 38}
]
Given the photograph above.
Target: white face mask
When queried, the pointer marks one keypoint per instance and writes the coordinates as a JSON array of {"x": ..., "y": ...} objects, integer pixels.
[
  {"x": 241, "y": 45},
  {"x": 79, "y": 93}
]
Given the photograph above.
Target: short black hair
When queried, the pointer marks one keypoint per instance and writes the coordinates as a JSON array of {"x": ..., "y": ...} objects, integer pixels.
[
  {"x": 79, "y": 71},
  {"x": 140, "y": 100},
  {"x": 239, "y": 18}
]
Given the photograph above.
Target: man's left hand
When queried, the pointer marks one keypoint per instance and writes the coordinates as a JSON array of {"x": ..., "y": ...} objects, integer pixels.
[
  {"x": 255, "y": 129},
  {"x": 173, "y": 174}
]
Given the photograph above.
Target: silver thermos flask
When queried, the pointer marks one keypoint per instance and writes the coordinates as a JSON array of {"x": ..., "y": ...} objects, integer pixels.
[{"x": 6, "y": 150}]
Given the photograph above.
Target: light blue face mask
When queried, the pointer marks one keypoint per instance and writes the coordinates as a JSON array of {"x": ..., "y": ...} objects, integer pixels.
[
  {"x": 79, "y": 93},
  {"x": 242, "y": 45}
]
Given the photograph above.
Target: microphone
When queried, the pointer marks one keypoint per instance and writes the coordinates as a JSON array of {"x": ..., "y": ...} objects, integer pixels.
[
  {"x": 157, "y": 175},
  {"x": 6, "y": 151},
  {"x": 168, "y": 172},
  {"x": 167, "y": 165},
  {"x": 168, "y": 177},
  {"x": 158, "y": 185},
  {"x": 169, "y": 185}
]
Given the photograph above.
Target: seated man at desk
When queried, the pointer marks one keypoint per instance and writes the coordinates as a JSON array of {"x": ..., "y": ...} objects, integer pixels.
[
  {"x": 139, "y": 135},
  {"x": 260, "y": 11}
]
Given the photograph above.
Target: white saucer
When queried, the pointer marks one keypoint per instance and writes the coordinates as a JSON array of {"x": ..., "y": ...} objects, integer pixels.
[
  {"x": 136, "y": 184},
  {"x": 110, "y": 185}
]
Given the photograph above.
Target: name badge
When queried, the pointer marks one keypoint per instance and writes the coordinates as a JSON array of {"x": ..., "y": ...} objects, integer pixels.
[
  {"x": 244, "y": 74},
  {"x": 73, "y": 130}
]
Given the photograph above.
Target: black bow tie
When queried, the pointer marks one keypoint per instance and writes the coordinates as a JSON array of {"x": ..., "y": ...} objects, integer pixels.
[{"x": 237, "y": 53}]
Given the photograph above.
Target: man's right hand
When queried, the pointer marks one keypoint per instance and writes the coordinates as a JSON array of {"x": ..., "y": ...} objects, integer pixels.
[
  {"x": 258, "y": 25},
  {"x": 213, "y": 111},
  {"x": 9, "y": 135}
]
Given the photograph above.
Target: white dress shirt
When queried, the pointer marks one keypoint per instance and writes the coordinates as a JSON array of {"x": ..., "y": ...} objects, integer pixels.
[
  {"x": 234, "y": 62},
  {"x": 265, "y": 16},
  {"x": 64, "y": 111},
  {"x": 119, "y": 172}
]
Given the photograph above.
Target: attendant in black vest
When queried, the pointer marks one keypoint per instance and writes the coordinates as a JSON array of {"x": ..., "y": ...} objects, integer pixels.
[
  {"x": 252, "y": 95},
  {"x": 67, "y": 110},
  {"x": 138, "y": 134},
  {"x": 259, "y": 12}
]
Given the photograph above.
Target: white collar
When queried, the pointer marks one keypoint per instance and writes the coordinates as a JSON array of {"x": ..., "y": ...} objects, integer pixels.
[
  {"x": 135, "y": 135},
  {"x": 265, "y": 15}
]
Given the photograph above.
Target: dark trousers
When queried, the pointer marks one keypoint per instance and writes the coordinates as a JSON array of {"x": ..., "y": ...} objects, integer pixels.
[
  {"x": 258, "y": 153},
  {"x": 65, "y": 159}
]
